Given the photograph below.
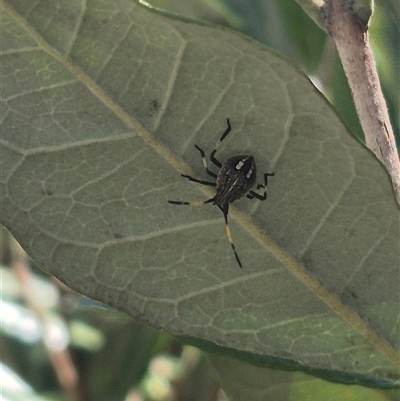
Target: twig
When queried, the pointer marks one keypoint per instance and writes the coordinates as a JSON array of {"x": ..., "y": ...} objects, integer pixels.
[{"x": 348, "y": 26}]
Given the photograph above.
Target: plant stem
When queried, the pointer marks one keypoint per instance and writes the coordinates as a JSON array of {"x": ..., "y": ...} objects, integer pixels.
[{"x": 350, "y": 33}]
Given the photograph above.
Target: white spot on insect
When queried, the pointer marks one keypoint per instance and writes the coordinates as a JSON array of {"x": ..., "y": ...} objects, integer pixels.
[
  {"x": 249, "y": 173},
  {"x": 240, "y": 164}
]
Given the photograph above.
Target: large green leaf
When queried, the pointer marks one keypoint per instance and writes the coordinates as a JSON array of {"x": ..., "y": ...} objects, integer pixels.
[{"x": 101, "y": 109}]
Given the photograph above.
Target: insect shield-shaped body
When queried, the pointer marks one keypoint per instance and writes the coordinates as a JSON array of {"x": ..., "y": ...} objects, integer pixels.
[{"x": 235, "y": 179}]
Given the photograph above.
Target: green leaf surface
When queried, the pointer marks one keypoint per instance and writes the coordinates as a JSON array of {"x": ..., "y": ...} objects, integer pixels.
[{"x": 102, "y": 103}]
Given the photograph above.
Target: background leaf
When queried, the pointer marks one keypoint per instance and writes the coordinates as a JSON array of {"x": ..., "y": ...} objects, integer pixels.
[
  {"x": 102, "y": 107},
  {"x": 243, "y": 381}
]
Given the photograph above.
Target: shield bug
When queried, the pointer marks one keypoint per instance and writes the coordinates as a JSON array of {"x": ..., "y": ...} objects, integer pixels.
[{"x": 235, "y": 179}]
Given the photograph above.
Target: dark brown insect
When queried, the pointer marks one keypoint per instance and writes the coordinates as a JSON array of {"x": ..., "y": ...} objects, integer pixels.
[{"x": 236, "y": 177}]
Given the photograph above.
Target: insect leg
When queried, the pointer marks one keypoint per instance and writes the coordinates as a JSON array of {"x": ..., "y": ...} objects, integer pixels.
[
  {"x": 211, "y": 184},
  {"x": 212, "y": 156},
  {"x": 252, "y": 194},
  {"x": 195, "y": 203},
  {"x": 203, "y": 157},
  {"x": 227, "y": 131}
]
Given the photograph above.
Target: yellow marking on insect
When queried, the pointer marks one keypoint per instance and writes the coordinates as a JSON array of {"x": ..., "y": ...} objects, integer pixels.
[
  {"x": 229, "y": 235},
  {"x": 196, "y": 203}
]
